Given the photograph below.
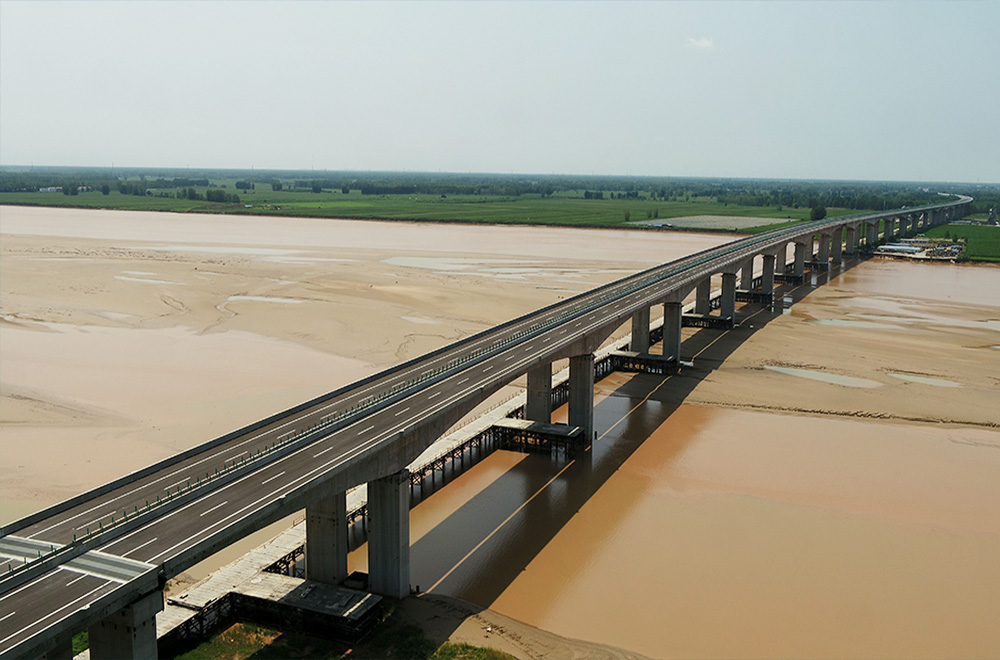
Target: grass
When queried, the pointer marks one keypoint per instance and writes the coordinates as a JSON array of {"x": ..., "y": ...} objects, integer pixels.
[
  {"x": 982, "y": 242},
  {"x": 563, "y": 209}
]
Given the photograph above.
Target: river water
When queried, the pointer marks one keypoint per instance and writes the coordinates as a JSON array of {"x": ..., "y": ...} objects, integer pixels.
[{"x": 695, "y": 531}]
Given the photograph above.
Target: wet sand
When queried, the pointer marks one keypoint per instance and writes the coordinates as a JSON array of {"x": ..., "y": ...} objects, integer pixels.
[{"x": 734, "y": 510}]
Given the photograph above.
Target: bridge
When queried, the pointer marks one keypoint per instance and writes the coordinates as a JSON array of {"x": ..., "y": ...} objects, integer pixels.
[{"x": 100, "y": 560}]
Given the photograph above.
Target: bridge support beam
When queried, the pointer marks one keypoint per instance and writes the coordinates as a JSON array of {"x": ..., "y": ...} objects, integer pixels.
[
  {"x": 800, "y": 259},
  {"x": 727, "y": 305},
  {"x": 888, "y": 229},
  {"x": 538, "y": 407},
  {"x": 640, "y": 331},
  {"x": 389, "y": 535},
  {"x": 781, "y": 256},
  {"x": 130, "y": 633},
  {"x": 581, "y": 393},
  {"x": 903, "y": 226},
  {"x": 836, "y": 245},
  {"x": 767, "y": 276},
  {"x": 703, "y": 297},
  {"x": 672, "y": 319},
  {"x": 326, "y": 539},
  {"x": 851, "y": 240}
]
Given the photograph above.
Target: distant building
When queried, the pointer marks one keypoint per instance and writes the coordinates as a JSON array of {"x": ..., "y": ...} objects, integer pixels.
[{"x": 51, "y": 189}]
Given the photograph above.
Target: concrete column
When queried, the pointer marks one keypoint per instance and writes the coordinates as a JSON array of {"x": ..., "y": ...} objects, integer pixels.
[
  {"x": 800, "y": 259},
  {"x": 581, "y": 393},
  {"x": 824, "y": 249},
  {"x": 780, "y": 257},
  {"x": 746, "y": 276},
  {"x": 703, "y": 295},
  {"x": 767, "y": 276},
  {"x": 903, "y": 226},
  {"x": 672, "y": 330},
  {"x": 130, "y": 633},
  {"x": 889, "y": 229},
  {"x": 326, "y": 539},
  {"x": 640, "y": 331},
  {"x": 538, "y": 407},
  {"x": 836, "y": 245},
  {"x": 389, "y": 535},
  {"x": 871, "y": 240},
  {"x": 852, "y": 240},
  {"x": 727, "y": 306}
]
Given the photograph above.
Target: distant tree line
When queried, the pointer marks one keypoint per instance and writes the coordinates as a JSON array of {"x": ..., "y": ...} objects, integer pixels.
[{"x": 741, "y": 192}]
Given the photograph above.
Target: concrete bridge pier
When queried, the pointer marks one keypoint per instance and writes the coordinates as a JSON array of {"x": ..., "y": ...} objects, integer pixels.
[
  {"x": 800, "y": 259},
  {"x": 746, "y": 275},
  {"x": 903, "y": 226},
  {"x": 538, "y": 407},
  {"x": 836, "y": 245},
  {"x": 780, "y": 257},
  {"x": 130, "y": 633},
  {"x": 871, "y": 238},
  {"x": 326, "y": 539},
  {"x": 727, "y": 304},
  {"x": 581, "y": 393},
  {"x": 889, "y": 229},
  {"x": 672, "y": 330},
  {"x": 851, "y": 236},
  {"x": 823, "y": 256},
  {"x": 767, "y": 275},
  {"x": 389, "y": 535},
  {"x": 703, "y": 295},
  {"x": 640, "y": 331}
]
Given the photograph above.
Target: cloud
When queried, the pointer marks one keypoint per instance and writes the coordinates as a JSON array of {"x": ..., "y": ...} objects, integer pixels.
[{"x": 703, "y": 44}]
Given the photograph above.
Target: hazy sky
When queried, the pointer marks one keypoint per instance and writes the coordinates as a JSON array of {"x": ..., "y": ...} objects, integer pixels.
[{"x": 840, "y": 90}]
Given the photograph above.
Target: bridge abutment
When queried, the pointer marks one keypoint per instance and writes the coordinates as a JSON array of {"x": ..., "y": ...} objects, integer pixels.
[
  {"x": 326, "y": 539},
  {"x": 389, "y": 535},
  {"x": 640, "y": 331},
  {"x": 130, "y": 633},
  {"x": 538, "y": 407},
  {"x": 581, "y": 393}
]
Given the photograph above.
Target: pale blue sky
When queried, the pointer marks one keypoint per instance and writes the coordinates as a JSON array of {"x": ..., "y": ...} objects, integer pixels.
[{"x": 838, "y": 90}]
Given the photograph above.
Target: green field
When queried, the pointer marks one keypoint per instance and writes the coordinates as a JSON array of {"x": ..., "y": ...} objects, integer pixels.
[
  {"x": 982, "y": 242},
  {"x": 568, "y": 208}
]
